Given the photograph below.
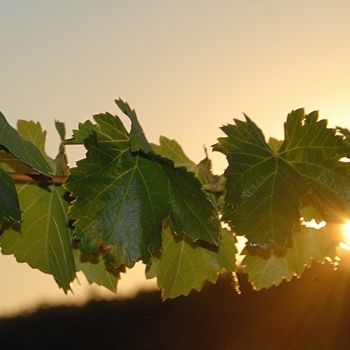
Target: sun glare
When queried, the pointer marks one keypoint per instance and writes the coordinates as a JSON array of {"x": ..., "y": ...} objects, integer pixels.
[{"x": 346, "y": 234}]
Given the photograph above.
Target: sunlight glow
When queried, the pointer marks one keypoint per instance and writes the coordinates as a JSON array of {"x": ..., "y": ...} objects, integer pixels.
[
  {"x": 346, "y": 234},
  {"x": 313, "y": 224}
]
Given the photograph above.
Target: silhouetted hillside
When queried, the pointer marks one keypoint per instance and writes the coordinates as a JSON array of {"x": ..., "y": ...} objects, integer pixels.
[{"x": 310, "y": 313}]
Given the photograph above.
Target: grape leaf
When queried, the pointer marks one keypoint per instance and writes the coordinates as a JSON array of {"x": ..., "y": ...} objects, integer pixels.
[
  {"x": 96, "y": 272},
  {"x": 184, "y": 266},
  {"x": 275, "y": 144},
  {"x": 23, "y": 150},
  {"x": 345, "y": 132},
  {"x": 84, "y": 131},
  {"x": 265, "y": 187},
  {"x": 172, "y": 150},
  {"x": 346, "y": 135},
  {"x": 29, "y": 131},
  {"x": 61, "y": 129},
  {"x": 9, "y": 204},
  {"x": 32, "y": 132},
  {"x": 61, "y": 160},
  {"x": 138, "y": 139},
  {"x": 9, "y": 163},
  {"x": 44, "y": 241},
  {"x": 122, "y": 197},
  {"x": 307, "y": 245},
  {"x": 309, "y": 212}
]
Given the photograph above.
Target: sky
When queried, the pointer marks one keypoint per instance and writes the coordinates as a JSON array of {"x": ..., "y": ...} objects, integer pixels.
[{"x": 187, "y": 67}]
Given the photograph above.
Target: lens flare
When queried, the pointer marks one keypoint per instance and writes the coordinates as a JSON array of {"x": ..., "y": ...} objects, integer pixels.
[{"x": 346, "y": 236}]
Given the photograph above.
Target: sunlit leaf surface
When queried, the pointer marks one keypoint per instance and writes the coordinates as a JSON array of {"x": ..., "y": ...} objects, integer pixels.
[
  {"x": 22, "y": 149},
  {"x": 265, "y": 186},
  {"x": 43, "y": 238},
  {"x": 122, "y": 197},
  {"x": 306, "y": 246},
  {"x": 184, "y": 266},
  {"x": 96, "y": 272}
]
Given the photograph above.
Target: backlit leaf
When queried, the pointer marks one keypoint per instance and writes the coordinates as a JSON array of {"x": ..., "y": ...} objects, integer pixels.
[
  {"x": 138, "y": 139},
  {"x": 172, "y": 150},
  {"x": 265, "y": 188},
  {"x": 43, "y": 238},
  {"x": 84, "y": 131},
  {"x": 23, "y": 150},
  {"x": 184, "y": 266},
  {"x": 122, "y": 197},
  {"x": 96, "y": 272},
  {"x": 306, "y": 246}
]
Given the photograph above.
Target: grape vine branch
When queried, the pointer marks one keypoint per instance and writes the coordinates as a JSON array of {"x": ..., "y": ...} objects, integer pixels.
[
  {"x": 129, "y": 200},
  {"x": 37, "y": 178}
]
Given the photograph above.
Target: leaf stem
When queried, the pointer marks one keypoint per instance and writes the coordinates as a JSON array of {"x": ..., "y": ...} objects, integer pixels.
[{"x": 37, "y": 178}]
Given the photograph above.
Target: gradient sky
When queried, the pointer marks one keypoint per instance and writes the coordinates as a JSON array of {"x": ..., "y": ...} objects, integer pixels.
[{"x": 187, "y": 67}]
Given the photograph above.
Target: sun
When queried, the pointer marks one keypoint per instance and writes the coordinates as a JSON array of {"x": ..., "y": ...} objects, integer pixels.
[{"x": 346, "y": 236}]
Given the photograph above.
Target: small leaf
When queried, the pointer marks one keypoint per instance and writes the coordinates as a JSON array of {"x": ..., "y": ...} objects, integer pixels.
[
  {"x": 184, "y": 266},
  {"x": 23, "y": 150},
  {"x": 96, "y": 272},
  {"x": 275, "y": 144},
  {"x": 61, "y": 129},
  {"x": 227, "y": 251},
  {"x": 172, "y": 150},
  {"x": 309, "y": 212},
  {"x": 307, "y": 245},
  {"x": 138, "y": 139},
  {"x": 61, "y": 159},
  {"x": 32, "y": 132},
  {"x": 84, "y": 131}
]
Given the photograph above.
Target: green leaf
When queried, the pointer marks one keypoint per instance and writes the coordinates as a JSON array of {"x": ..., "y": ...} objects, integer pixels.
[
  {"x": 11, "y": 164},
  {"x": 138, "y": 139},
  {"x": 32, "y": 132},
  {"x": 345, "y": 133},
  {"x": 9, "y": 204},
  {"x": 265, "y": 188},
  {"x": 227, "y": 251},
  {"x": 275, "y": 144},
  {"x": 184, "y": 266},
  {"x": 61, "y": 159},
  {"x": 43, "y": 238},
  {"x": 346, "y": 136},
  {"x": 96, "y": 272},
  {"x": 172, "y": 150},
  {"x": 61, "y": 129},
  {"x": 84, "y": 131},
  {"x": 23, "y": 150},
  {"x": 309, "y": 212},
  {"x": 122, "y": 197},
  {"x": 307, "y": 245}
]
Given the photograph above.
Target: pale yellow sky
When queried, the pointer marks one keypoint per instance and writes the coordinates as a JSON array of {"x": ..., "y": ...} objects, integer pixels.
[{"x": 186, "y": 66}]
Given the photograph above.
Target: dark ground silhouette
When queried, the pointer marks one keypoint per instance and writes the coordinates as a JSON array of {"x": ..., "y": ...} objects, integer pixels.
[{"x": 309, "y": 313}]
